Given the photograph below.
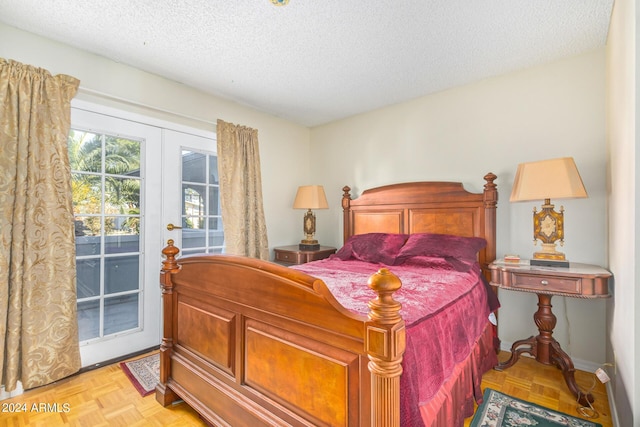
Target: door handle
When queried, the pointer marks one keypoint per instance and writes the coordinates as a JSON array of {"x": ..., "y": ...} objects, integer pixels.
[{"x": 171, "y": 227}]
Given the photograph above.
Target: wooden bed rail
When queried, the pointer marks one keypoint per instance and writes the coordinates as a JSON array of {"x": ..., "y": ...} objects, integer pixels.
[{"x": 381, "y": 338}]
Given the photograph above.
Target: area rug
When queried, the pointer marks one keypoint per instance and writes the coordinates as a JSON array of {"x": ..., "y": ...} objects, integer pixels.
[
  {"x": 144, "y": 373},
  {"x": 501, "y": 410}
]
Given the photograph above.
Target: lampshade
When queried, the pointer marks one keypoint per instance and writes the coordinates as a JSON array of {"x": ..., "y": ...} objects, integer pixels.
[
  {"x": 310, "y": 197},
  {"x": 547, "y": 179}
]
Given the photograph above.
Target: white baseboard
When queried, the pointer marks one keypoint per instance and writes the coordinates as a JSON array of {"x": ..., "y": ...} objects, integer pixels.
[
  {"x": 9, "y": 394},
  {"x": 612, "y": 403}
]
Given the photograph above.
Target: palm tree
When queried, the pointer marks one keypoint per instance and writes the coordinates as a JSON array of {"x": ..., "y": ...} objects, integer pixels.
[{"x": 121, "y": 176}]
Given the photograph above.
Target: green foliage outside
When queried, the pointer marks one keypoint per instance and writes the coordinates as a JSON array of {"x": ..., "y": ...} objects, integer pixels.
[{"x": 109, "y": 162}]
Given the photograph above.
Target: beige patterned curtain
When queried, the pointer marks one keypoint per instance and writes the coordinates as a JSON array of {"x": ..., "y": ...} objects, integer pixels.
[
  {"x": 38, "y": 325},
  {"x": 245, "y": 230}
]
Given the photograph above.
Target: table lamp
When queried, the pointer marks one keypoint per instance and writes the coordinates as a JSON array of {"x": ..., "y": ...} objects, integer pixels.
[
  {"x": 310, "y": 197},
  {"x": 546, "y": 180}
]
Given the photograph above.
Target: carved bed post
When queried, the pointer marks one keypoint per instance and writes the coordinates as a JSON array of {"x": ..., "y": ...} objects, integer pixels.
[
  {"x": 169, "y": 266},
  {"x": 490, "y": 198},
  {"x": 385, "y": 345},
  {"x": 490, "y": 205},
  {"x": 346, "y": 204}
]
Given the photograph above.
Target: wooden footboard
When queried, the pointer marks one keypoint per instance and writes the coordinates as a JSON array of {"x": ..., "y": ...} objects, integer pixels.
[{"x": 248, "y": 343}]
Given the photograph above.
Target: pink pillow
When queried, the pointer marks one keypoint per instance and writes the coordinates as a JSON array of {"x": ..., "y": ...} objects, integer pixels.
[
  {"x": 441, "y": 245},
  {"x": 439, "y": 263},
  {"x": 372, "y": 247},
  {"x": 436, "y": 263}
]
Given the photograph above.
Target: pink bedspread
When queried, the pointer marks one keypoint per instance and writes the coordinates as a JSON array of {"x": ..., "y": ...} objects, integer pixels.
[{"x": 445, "y": 311}]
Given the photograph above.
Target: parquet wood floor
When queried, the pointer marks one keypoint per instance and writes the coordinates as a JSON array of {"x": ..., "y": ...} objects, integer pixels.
[
  {"x": 105, "y": 397},
  {"x": 544, "y": 385}
]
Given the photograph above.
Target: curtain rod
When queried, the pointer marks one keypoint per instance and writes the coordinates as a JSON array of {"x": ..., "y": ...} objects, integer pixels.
[{"x": 107, "y": 96}]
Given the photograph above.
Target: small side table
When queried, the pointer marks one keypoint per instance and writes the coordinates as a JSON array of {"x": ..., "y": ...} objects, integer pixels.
[
  {"x": 291, "y": 255},
  {"x": 578, "y": 280}
]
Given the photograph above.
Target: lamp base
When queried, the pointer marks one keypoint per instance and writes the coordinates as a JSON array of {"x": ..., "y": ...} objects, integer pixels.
[
  {"x": 549, "y": 263},
  {"x": 309, "y": 245},
  {"x": 549, "y": 257},
  {"x": 305, "y": 247}
]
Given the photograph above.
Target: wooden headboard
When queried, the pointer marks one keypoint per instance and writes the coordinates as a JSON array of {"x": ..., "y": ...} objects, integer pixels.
[{"x": 426, "y": 207}]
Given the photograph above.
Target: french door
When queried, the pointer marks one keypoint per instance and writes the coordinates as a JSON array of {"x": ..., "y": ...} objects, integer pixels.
[
  {"x": 117, "y": 188},
  {"x": 131, "y": 176},
  {"x": 191, "y": 206}
]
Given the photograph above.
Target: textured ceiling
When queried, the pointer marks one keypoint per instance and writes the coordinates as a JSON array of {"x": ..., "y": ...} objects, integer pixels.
[{"x": 315, "y": 61}]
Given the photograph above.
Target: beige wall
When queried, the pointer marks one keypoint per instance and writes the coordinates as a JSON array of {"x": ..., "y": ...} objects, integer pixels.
[
  {"x": 458, "y": 135},
  {"x": 284, "y": 146},
  {"x": 624, "y": 234},
  {"x": 461, "y": 134}
]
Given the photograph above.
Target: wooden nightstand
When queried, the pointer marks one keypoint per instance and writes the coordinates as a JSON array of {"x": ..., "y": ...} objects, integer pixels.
[
  {"x": 578, "y": 280},
  {"x": 290, "y": 255}
]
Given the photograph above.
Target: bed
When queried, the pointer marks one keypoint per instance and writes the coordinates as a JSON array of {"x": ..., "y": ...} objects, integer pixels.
[{"x": 249, "y": 343}]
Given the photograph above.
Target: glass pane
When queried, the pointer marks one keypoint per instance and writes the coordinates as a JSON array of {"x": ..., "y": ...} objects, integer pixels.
[
  {"x": 122, "y": 234},
  {"x": 85, "y": 151},
  {"x": 122, "y": 196},
  {"x": 193, "y": 199},
  {"x": 193, "y": 232},
  {"x": 122, "y": 156},
  {"x": 193, "y": 252},
  {"x": 106, "y": 207},
  {"x": 121, "y": 274},
  {"x": 88, "y": 277},
  {"x": 193, "y": 222},
  {"x": 213, "y": 170},
  {"x": 214, "y": 200},
  {"x": 88, "y": 320},
  {"x": 216, "y": 236},
  {"x": 87, "y": 193},
  {"x": 193, "y": 167},
  {"x": 120, "y": 313},
  {"x": 87, "y": 231}
]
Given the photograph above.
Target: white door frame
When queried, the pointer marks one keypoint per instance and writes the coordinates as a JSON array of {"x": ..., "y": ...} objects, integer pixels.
[{"x": 153, "y": 236}]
